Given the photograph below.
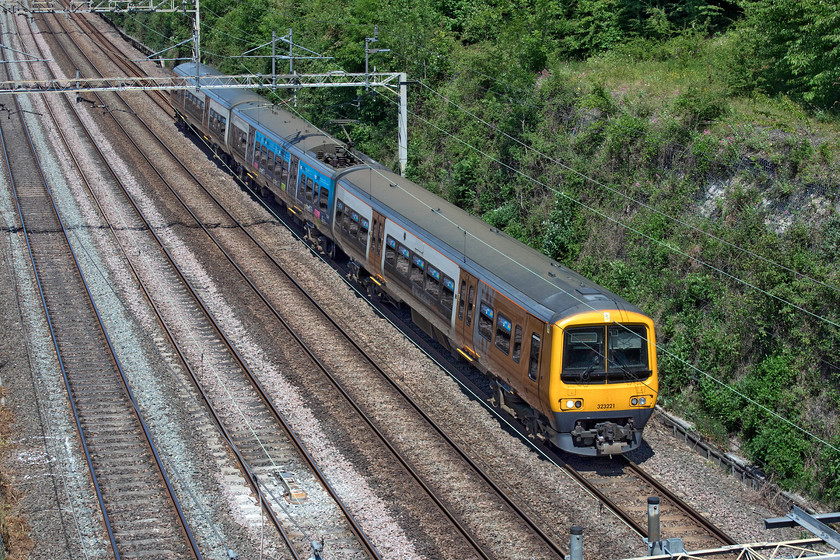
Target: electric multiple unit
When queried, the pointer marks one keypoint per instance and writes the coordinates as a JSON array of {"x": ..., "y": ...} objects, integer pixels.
[{"x": 576, "y": 363}]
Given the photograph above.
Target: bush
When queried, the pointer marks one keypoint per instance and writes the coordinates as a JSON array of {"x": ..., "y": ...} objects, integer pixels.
[{"x": 563, "y": 231}]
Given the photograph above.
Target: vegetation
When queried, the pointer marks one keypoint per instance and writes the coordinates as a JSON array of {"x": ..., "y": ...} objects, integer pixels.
[{"x": 683, "y": 154}]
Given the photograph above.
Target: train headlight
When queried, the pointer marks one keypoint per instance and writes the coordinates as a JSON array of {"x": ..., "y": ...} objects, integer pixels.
[
  {"x": 642, "y": 401},
  {"x": 570, "y": 404},
  {"x": 573, "y": 403},
  {"x": 578, "y": 404},
  {"x": 638, "y": 401},
  {"x": 634, "y": 401}
]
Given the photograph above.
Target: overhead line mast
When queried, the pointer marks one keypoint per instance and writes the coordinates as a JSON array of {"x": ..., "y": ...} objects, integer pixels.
[{"x": 392, "y": 81}]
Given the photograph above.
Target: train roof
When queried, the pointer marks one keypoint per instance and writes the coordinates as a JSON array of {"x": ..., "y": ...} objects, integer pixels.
[
  {"x": 544, "y": 287},
  {"x": 251, "y": 106}
]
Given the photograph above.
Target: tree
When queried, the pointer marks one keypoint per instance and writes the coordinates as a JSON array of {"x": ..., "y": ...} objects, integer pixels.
[{"x": 797, "y": 48}]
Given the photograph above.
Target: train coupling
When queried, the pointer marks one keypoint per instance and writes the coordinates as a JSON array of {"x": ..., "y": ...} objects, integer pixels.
[{"x": 608, "y": 438}]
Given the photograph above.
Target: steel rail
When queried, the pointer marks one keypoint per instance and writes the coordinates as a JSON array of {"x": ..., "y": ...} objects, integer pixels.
[
  {"x": 381, "y": 370},
  {"x": 623, "y": 515},
  {"x": 251, "y": 480},
  {"x": 686, "y": 509},
  {"x": 320, "y": 364},
  {"x": 184, "y": 525},
  {"x": 376, "y": 365},
  {"x": 246, "y": 469},
  {"x": 54, "y": 338},
  {"x": 556, "y": 457}
]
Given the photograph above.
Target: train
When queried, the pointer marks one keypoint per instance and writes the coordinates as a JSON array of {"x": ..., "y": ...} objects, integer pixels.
[{"x": 575, "y": 363}]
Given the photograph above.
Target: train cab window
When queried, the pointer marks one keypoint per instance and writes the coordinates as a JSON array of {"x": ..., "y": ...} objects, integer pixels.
[
  {"x": 432, "y": 284},
  {"x": 584, "y": 348},
  {"x": 402, "y": 261},
  {"x": 448, "y": 297},
  {"x": 470, "y": 301},
  {"x": 418, "y": 267},
  {"x": 485, "y": 320},
  {"x": 390, "y": 252},
  {"x": 503, "y": 327},
  {"x": 461, "y": 296},
  {"x": 583, "y": 355},
  {"x": 517, "y": 343},
  {"x": 534, "y": 358},
  {"x": 325, "y": 199},
  {"x": 627, "y": 356}
]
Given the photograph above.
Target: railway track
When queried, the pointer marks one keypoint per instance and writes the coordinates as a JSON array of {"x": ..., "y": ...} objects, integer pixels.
[
  {"x": 620, "y": 484},
  {"x": 510, "y": 504},
  {"x": 209, "y": 356},
  {"x": 226, "y": 225},
  {"x": 696, "y": 531},
  {"x": 624, "y": 487},
  {"x": 139, "y": 509}
]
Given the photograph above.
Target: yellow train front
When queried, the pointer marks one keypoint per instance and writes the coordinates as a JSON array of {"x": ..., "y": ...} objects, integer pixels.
[{"x": 603, "y": 381}]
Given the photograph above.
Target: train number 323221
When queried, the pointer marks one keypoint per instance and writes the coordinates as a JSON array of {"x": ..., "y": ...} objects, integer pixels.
[{"x": 603, "y": 406}]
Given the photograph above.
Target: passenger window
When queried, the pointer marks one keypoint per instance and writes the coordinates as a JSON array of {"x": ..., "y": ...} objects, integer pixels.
[
  {"x": 309, "y": 192},
  {"x": 325, "y": 199},
  {"x": 461, "y": 297},
  {"x": 402, "y": 261},
  {"x": 448, "y": 293},
  {"x": 353, "y": 225},
  {"x": 503, "y": 333},
  {"x": 432, "y": 286},
  {"x": 470, "y": 305},
  {"x": 417, "y": 267},
  {"x": 270, "y": 165},
  {"x": 485, "y": 320},
  {"x": 363, "y": 231},
  {"x": 517, "y": 343},
  {"x": 534, "y": 358},
  {"x": 391, "y": 251}
]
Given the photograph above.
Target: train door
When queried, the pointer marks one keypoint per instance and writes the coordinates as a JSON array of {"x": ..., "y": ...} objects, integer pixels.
[
  {"x": 293, "y": 176},
  {"x": 205, "y": 113},
  {"x": 464, "y": 318},
  {"x": 533, "y": 349},
  {"x": 377, "y": 240}
]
